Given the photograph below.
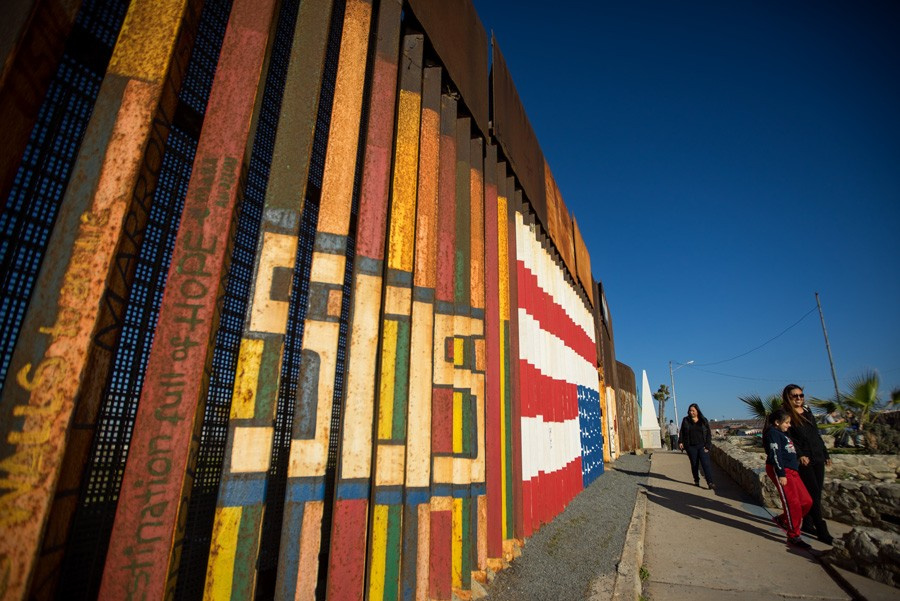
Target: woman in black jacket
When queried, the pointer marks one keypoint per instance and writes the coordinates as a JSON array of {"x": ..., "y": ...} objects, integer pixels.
[
  {"x": 812, "y": 455},
  {"x": 696, "y": 438}
]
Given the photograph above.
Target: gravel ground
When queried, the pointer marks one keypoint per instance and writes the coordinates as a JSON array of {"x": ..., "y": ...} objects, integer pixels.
[{"x": 583, "y": 544}]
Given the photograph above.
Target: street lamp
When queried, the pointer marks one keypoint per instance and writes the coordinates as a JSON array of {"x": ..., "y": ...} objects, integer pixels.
[{"x": 672, "y": 376}]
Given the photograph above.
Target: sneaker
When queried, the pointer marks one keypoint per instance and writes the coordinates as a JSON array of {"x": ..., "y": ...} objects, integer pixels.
[
  {"x": 780, "y": 522},
  {"x": 696, "y": 483},
  {"x": 711, "y": 486},
  {"x": 826, "y": 538},
  {"x": 796, "y": 541}
]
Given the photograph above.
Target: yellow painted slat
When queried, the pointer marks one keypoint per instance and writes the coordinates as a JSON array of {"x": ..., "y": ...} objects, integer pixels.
[
  {"x": 379, "y": 552},
  {"x": 246, "y": 380},
  {"x": 221, "y": 560},
  {"x": 403, "y": 208},
  {"x": 388, "y": 375},
  {"x": 147, "y": 39},
  {"x": 457, "y": 421},
  {"x": 456, "y": 549}
]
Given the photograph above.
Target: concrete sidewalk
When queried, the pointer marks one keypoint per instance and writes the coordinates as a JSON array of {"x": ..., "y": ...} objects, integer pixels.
[{"x": 702, "y": 544}]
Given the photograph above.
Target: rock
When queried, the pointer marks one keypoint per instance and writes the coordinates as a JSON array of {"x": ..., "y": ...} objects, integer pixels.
[{"x": 871, "y": 552}]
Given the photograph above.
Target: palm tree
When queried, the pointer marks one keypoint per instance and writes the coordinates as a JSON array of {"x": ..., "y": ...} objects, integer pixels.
[
  {"x": 862, "y": 399},
  {"x": 662, "y": 395},
  {"x": 759, "y": 408}
]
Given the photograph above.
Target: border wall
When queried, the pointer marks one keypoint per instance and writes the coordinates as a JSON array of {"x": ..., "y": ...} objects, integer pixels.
[{"x": 293, "y": 306}]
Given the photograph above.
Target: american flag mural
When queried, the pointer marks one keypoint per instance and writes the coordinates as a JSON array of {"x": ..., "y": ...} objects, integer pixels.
[
  {"x": 366, "y": 320},
  {"x": 558, "y": 379}
]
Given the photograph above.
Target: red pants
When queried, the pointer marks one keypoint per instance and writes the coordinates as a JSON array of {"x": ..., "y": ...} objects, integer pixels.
[{"x": 795, "y": 501}]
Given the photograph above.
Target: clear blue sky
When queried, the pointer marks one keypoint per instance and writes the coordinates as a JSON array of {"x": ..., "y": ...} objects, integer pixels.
[{"x": 726, "y": 160}]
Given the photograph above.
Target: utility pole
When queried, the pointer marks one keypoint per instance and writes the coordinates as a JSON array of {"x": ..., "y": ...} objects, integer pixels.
[{"x": 837, "y": 394}]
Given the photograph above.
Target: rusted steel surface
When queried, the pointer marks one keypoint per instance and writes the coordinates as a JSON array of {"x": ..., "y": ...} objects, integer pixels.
[
  {"x": 347, "y": 556},
  {"x": 494, "y": 423},
  {"x": 441, "y": 502},
  {"x": 459, "y": 38},
  {"x": 393, "y": 401},
  {"x": 515, "y": 203},
  {"x": 298, "y": 564},
  {"x": 583, "y": 263},
  {"x": 507, "y": 382},
  {"x": 32, "y": 39},
  {"x": 559, "y": 222},
  {"x": 626, "y": 409},
  {"x": 416, "y": 519},
  {"x": 47, "y": 373},
  {"x": 110, "y": 323},
  {"x": 515, "y": 135},
  {"x": 241, "y": 501},
  {"x": 145, "y": 543},
  {"x": 478, "y": 364}
]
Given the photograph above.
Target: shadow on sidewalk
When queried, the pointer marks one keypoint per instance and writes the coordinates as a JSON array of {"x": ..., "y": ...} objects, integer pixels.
[{"x": 710, "y": 509}]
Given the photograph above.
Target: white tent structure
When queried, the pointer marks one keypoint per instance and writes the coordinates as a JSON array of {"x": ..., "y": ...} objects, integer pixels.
[{"x": 650, "y": 435}]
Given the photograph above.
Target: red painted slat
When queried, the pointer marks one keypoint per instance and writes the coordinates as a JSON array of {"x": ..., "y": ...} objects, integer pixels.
[{"x": 146, "y": 537}]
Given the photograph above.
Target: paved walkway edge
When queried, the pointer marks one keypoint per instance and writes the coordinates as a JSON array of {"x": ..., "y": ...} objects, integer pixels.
[{"x": 628, "y": 572}]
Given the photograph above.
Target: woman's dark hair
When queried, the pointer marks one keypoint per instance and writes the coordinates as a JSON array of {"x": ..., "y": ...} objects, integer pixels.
[
  {"x": 796, "y": 416},
  {"x": 700, "y": 417},
  {"x": 779, "y": 415}
]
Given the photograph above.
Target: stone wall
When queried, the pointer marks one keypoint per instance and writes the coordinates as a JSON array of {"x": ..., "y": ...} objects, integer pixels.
[
  {"x": 746, "y": 466},
  {"x": 860, "y": 490},
  {"x": 872, "y": 552},
  {"x": 856, "y": 503}
]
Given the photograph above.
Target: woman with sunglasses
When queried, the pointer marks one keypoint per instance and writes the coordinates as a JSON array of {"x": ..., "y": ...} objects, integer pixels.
[{"x": 812, "y": 455}]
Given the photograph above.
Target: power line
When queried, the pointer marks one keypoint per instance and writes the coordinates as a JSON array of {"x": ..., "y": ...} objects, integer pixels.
[
  {"x": 782, "y": 333},
  {"x": 794, "y": 378},
  {"x": 718, "y": 373}
]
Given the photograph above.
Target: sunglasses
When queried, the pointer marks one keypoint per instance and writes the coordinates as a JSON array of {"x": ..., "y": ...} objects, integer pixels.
[{"x": 798, "y": 396}]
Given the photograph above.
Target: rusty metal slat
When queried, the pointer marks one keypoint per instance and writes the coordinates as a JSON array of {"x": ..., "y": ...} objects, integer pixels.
[
  {"x": 34, "y": 38},
  {"x": 146, "y": 539},
  {"x": 583, "y": 263},
  {"x": 49, "y": 369},
  {"x": 460, "y": 41},
  {"x": 393, "y": 402},
  {"x": 515, "y": 205},
  {"x": 493, "y": 333},
  {"x": 416, "y": 518},
  {"x": 347, "y": 553},
  {"x": 515, "y": 135},
  {"x": 81, "y": 443},
  {"x": 238, "y": 521},
  {"x": 304, "y": 510},
  {"x": 440, "y": 520}
]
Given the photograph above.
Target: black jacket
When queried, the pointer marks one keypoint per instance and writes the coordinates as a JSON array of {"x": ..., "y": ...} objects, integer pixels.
[
  {"x": 807, "y": 439},
  {"x": 780, "y": 452},
  {"x": 694, "y": 433}
]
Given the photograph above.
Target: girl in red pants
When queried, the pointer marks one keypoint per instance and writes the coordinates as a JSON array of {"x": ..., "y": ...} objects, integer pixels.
[{"x": 782, "y": 466}]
